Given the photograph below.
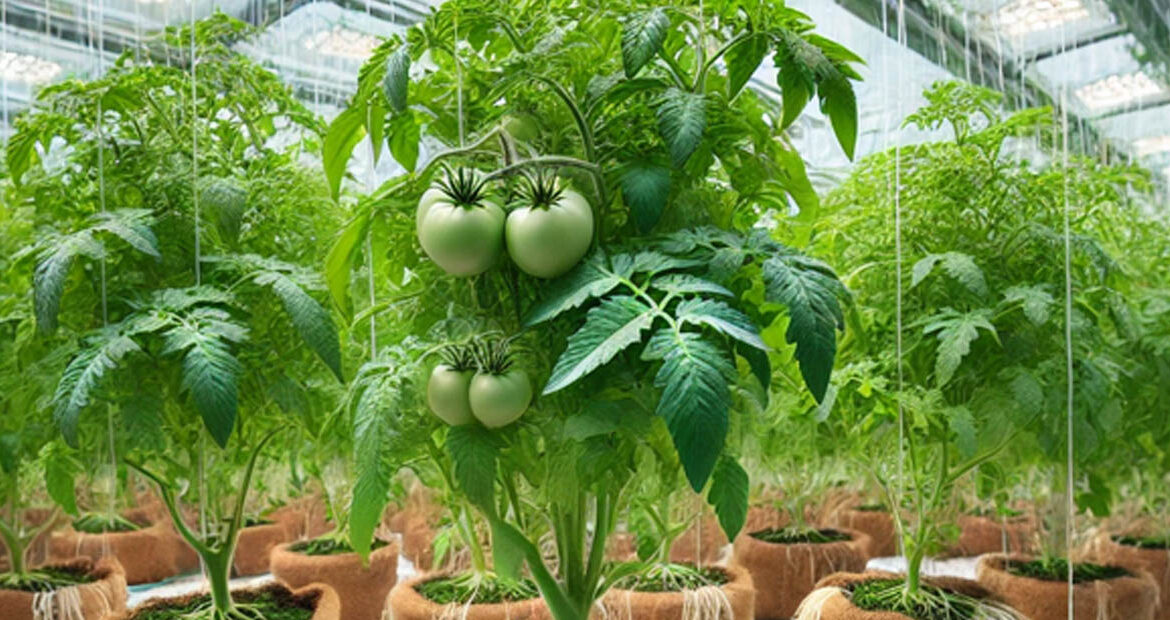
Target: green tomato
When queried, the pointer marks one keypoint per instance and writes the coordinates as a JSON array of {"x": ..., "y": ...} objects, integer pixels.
[
  {"x": 547, "y": 241},
  {"x": 498, "y": 400},
  {"x": 429, "y": 198},
  {"x": 463, "y": 240},
  {"x": 447, "y": 394}
]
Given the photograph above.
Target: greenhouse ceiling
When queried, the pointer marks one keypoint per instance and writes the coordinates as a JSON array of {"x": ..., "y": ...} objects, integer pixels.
[{"x": 1107, "y": 61}]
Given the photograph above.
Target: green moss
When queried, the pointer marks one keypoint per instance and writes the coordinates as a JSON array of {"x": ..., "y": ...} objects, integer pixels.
[
  {"x": 1144, "y": 542},
  {"x": 476, "y": 589},
  {"x": 1056, "y": 569},
  {"x": 871, "y": 508},
  {"x": 271, "y": 604},
  {"x": 930, "y": 603},
  {"x": 255, "y": 521},
  {"x": 44, "y": 579},
  {"x": 675, "y": 578},
  {"x": 329, "y": 546},
  {"x": 791, "y": 536},
  {"x": 93, "y": 523}
]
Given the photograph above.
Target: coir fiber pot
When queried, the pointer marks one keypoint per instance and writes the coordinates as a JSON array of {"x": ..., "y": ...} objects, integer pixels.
[
  {"x": 406, "y": 603},
  {"x": 1155, "y": 562},
  {"x": 304, "y": 518},
  {"x": 829, "y": 601},
  {"x": 254, "y": 547},
  {"x": 362, "y": 590},
  {"x": 318, "y": 597},
  {"x": 981, "y": 535},
  {"x": 784, "y": 574},
  {"x": 104, "y": 597},
  {"x": 877, "y": 524},
  {"x": 737, "y": 598},
  {"x": 147, "y": 555},
  {"x": 1122, "y": 598}
]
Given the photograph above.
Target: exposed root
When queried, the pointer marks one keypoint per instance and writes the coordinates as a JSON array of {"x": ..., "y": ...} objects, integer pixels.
[
  {"x": 706, "y": 603},
  {"x": 67, "y": 603},
  {"x": 810, "y": 608}
]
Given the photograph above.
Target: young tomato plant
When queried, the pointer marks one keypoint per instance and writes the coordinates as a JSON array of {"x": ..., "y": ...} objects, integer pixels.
[
  {"x": 196, "y": 289},
  {"x": 637, "y": 340}
]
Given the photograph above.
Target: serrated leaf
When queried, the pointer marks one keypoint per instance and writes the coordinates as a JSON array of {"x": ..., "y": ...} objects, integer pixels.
[
  {"x": 339, "y": 261},
  {"x": 404, "y": 140},
  {"x": 811, "y": 296},
  {"x": 728, "y": 495},
  {"x": 52, "y": 270},
  {"x": 84, "y": 374},
  {"x": 645, "y": 188},
  {"x": 589, "y": 279},
  {"x": 722, "y": 318},
  {"x": 609, "y": 328},
  {"x": 397, "y": 80},
  {"x": 1036, "y": 302},
  {"x": 760, "y": 365},
  {"x": 795, "y": 82},
  {"x": 131, "y": 226},
  {"x": 225, "y": 201},
  {"x": 210, "y": 372},
  {"x": 598, "y": 418},
  {"x": 340, "y": 139},
  {"x": 959, "y": 266},
  {"x": 642, "y": 37},
  {"x": 474, "y": 453},
  {"x": 373, "y": 432},
  {"x": 1028, "y": 392},
  {"x": 955, "y": 333},
  {"x": 310, "y": 319},
  {"x": 962, "y": 424},
  {"x": 839, "y": 103},
  {"x": 685, "y": 283},
  {"x": 682, "y": 118},
  {"x": 695, "y": 403},
  {"x": 60, "y": 471},
  {"x": 742, "y": 61}
]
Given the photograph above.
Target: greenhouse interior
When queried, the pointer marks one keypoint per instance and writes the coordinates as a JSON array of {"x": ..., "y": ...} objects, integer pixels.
[{"x": 585, "y": 309}]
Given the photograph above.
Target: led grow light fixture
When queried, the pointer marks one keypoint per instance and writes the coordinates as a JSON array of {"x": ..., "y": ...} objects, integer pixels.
[
  {"x": 341, "y": 42},
  {"x": 1118, "y": 91},
  {"x": 1022, "y": 17},
  {"x": 27, "y": 69}
]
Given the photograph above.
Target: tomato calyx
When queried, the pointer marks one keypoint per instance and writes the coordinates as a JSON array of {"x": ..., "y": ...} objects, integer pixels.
[
  {"x": 458, "y": 357},
  {"x": 464, "y": 186},
  {"x": 540, "y": 190},
  {"x": 492, "y": 358}
]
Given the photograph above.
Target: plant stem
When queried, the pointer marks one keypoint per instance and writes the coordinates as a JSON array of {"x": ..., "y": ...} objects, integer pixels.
[{"x": 16, "y": 548}]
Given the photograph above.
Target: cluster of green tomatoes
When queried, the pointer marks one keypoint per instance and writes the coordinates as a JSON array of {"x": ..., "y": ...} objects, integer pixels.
[
  {"x": 547, "y": 232},
  {"x": 478, "y": 382}
]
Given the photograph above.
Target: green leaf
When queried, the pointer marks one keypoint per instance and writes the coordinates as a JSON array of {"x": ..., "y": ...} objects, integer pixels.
[
  {"x": 642, "y": 37},
  {"x": 339, "y": 261},
  {"x": 342, "y": 136},
  {"x": 60, "y": 471},
  {"x": 760, "y": 365},
  {"x": 796, "y": 86},
  {"x": 722, "y": 318},
  {"x": 507, "y": 559},
  {"x": 52, "y": 270},
  {"x": 9, "y": 453},
  {"x": 1036, "y": 301},
  {"x": 131, "y": 226},
  {"x": 729, "y": 495},
  {"x": 955, "y": 333},
  {"x": 473, "y": 453},
  {"x": 84, "y": 374},
  {"x": 685, "y": 283},
  {"x": 21, "y": 153},
  {"x": 310, "y": 319},
  {"x": 599, "y": 418},
  {"x": 959, "y": 266},
  {"x": 839, "y": 103},
  {"x": 225, "y": 201},
  {"x": 375, "y": 125},
  {"x": 811, "y": 294},
  {"x": 962, "y": 424},
  {"x": 695, "y": 403},
  {"x": 589, "y": 279},
  {"x": 609, "y": 328},
  {"x": 210, "y": 373},
  {"x": 742, "y": 61},
  {"x": 397, "y": 78},
  {"x": 682, "y": 117},
  {"x": 404, "y": 140},
  {"x": 504, "y": 535},
  {"x": 373, "y": 432},
  {"x": 645, "y": 188}
]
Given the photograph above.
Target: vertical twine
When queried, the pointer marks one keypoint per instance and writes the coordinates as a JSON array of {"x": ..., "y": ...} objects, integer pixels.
[{"x": 898, "y": 278}]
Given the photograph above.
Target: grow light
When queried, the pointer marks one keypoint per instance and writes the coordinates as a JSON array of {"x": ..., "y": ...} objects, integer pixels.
[
  {"x": 27, "y": 68},
  {"x": 1118, "y": 90},
  {"x": 1148, "y": 146},
  {"x": 1023, "y": 17},
  {"x": 341, "y": 42}
]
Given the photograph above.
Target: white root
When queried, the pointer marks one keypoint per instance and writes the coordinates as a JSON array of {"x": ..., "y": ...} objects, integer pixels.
[
  {"x": 66, "y": 603},
  {"x": 706, "y": 603},
  {"x": 810, "y": 608}
]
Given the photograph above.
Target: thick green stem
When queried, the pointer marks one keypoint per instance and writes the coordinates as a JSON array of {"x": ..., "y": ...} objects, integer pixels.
[
  {"x": 217, "y": 568},
  {"x": 16, "y": 549}
]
